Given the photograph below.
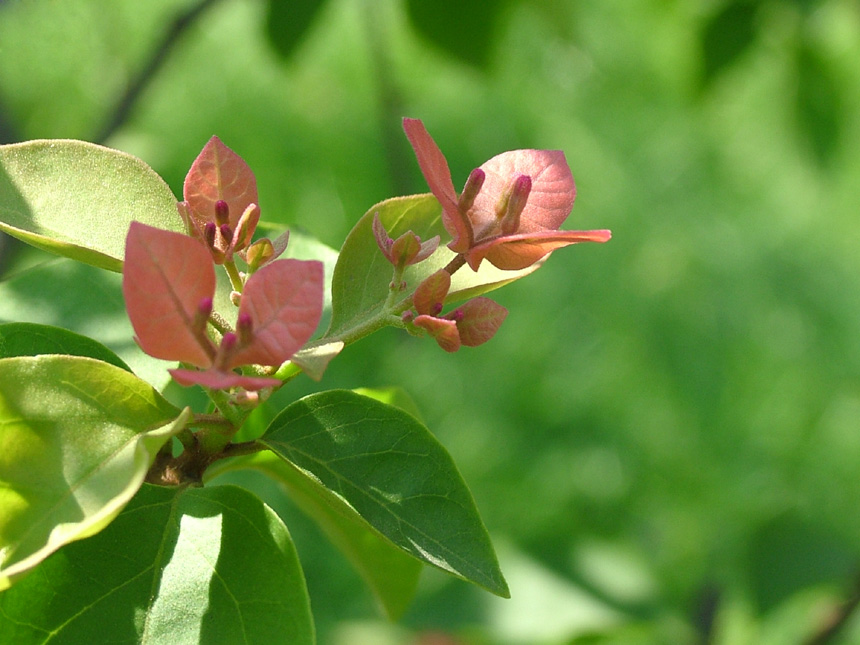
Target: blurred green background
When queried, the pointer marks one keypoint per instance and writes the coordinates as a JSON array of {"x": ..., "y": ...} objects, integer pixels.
[{"x": 664, "y": 437}]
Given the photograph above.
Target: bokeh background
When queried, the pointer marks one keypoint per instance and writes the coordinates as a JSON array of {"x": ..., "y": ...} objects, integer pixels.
[{"x": 664, "y": 437}]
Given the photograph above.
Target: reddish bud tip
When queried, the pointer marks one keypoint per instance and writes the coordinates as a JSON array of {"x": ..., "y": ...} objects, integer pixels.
[
  {"x": 209, "y": 232},
  {"x": 471, "y": 189},
  {"x": 244, "y": 328},
  {"x": 436, "y": 309},
  {"x": 222, "y": 212},
  {"x": 225, "y": 350},
  {"x": 226, "y": 232},
  {"x": 204, "y": 308}
]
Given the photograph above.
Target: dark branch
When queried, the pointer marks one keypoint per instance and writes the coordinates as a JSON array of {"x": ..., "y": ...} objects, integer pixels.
[{"x": 146, "y": 75}]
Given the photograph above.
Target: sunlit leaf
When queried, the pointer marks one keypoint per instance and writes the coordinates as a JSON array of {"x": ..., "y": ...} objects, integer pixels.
[
  {"x": 31, "y": 339},
  {"x": 77, "y": 199},
  {"x": 387, "y": 467},
  {"x": 196, "y": 565},
  {"x": 83, "y": 299},
  {"x": 77, "y": 437}
]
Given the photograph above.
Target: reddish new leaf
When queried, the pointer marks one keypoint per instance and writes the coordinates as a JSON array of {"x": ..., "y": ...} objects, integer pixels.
[
  {"x": 515, "y": 252},
  {"x": 478, "y": 320},
  {"x": 218, "y": 380},
  {"x": 218, "y": 173},
  {"x": 166, "y": 277},
  {"x": 429, "y": 296},
  {"x": 435, "y": 169},
  {"x": 283, "y": 301},
  {"x": 443, "y": 330}
]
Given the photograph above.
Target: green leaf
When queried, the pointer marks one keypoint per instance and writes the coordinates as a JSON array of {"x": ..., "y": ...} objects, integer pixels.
[
  {"x": 362, "y": 275},
  {"x": 77, "y": 199},
  {"x": 82, "y": 299},
  {"x": 31, "y": 339},
  {"x": 463, "y": 30},
  {"x": 181, "y": 566},
  {"x": 77, "y": 437},
  {"x": 288, "y": 22},
  {"x": 364, "y": 456},
  {"x": 727, "y": 36},
  {"x": 391, "y": 574}
]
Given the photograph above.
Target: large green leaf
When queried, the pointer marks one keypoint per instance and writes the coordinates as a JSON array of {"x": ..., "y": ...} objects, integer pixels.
[
  {"x": 193, "y": 566},
  {"x": 31, "y": 339},
  {"x": 362, "y": 275},
  {"x": 360, "y": 455},
  {"x": 390, "y": 573},
  {"x": 77, "y": 199},
  {"x": 82, "y": 299},
  {"x": 77, "y": 437}
]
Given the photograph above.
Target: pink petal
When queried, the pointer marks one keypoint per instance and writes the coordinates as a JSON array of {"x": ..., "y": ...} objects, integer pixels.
[
  {"x": 165, "y": 277},
  {"x": 444, "y": 331},
  {"x": 219, "y": 173},
  {"x": 217, "y": 380},
  {"x": 481, "y": 319},
  {"x": 550, "y": 200},
  {"x": 515, "y": 252},
  {"x": 435, "y": 169},
  {"x": 284, "y": 300}
]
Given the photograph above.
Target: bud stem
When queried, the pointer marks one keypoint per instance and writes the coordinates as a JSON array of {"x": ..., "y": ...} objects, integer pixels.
[{"x": 233, "y": 274}]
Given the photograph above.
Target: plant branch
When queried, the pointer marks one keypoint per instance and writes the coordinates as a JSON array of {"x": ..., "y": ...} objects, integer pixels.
[{"x": 144, "y": 78}]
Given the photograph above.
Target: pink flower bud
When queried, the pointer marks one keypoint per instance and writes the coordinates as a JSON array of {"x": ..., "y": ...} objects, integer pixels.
[
  {"x": 244, "y": 328},
  {"x": 209, "y": 233},
  {"x": 225, "y": 350},
  {"x": 471, "y": 189},
  {"x": 222, "y": 212}
]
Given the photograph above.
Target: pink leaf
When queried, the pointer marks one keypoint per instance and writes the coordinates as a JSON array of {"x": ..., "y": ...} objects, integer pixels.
[
  {"x": 515, "y": 252},
  {"x": 166, "y": 277},
  {"x": 284, "y": 301},
  {"x": 430, "y": 295},
  {"x": 218, "y": 173},
  {"x": 443, "y": 330},
  {"x": 435, "y": 169},
  {"x": 550, "y": 200},
  {"x": 481, "y": 319},
  {"x": 218, "y": 380}
]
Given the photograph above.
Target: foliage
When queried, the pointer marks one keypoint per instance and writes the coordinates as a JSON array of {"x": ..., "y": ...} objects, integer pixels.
[
  {"x": 672, "y": 455},
  {"x": 81, "y": 433}
]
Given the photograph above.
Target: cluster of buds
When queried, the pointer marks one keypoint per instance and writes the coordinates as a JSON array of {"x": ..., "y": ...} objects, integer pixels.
[
  {"x": 510, "y": 208},
  {"x": 169, "y": 282},
  {"x": 508, "y": 213}
]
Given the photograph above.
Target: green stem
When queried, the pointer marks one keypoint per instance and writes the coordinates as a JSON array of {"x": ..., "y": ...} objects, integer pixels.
[{"x": 233, "y": 274}]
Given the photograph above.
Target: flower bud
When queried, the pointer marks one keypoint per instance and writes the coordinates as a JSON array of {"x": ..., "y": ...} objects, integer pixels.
[
  {"x": 201, "y": 316},
  {"x": 244, "y": 328},
  {"x": 222, "y": 212},
  {"x": 259, "y": 253},
  {"x": 519, "y": 195},
  {"x": 471, "y": 189},
  {"x": 235, "y": 298},
  {"x": 209, "y": 233},
  {"x": 225, "y": 350}
]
